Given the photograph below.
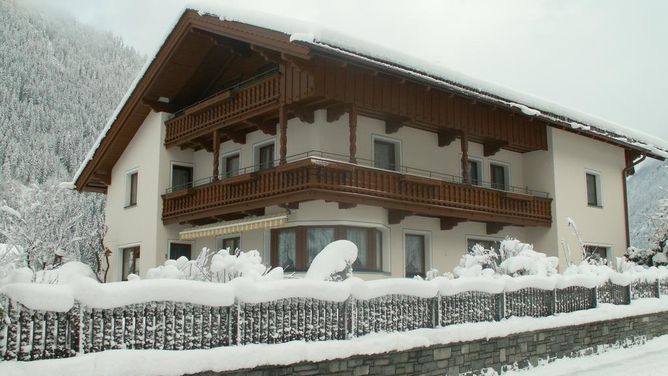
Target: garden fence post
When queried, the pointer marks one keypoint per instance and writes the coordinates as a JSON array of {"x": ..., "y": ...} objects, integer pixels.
[
  {"x": 437, "y": 311},
  {"x": 629, "y": 291},
  {"x": 657, "y": 285}
]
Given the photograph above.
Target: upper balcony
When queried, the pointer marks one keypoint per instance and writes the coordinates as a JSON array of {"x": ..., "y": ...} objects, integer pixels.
[
  {"x": 253, "y": 97},
  {"x": 324, "y": 176}
]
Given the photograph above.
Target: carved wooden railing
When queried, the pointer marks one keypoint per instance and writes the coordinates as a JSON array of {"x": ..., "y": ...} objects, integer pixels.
[
  {"x": 244, "y": 100},
  {"x": 315, "y": 178}
]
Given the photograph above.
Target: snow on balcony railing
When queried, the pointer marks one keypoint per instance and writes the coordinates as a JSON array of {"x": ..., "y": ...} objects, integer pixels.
[{"x": 56, "y": 321}]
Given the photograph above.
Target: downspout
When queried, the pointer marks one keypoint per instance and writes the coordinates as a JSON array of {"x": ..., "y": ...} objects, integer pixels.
[{"x": 628, "y": 171}]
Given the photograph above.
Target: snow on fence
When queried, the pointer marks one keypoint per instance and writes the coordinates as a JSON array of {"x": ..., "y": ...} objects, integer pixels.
[{"x": 47, "y": 321}]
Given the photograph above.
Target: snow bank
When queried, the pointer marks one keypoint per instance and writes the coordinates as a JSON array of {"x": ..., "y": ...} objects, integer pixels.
[
  {"x": 483, "y": 284},
  {"x": 56, "y": 298},
  {"x": 249, "y": 291},
  {"x": 393, "y": 286},
  {"x": 334, "y": 262}
]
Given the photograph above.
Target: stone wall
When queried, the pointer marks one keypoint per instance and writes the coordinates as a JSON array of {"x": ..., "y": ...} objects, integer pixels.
[{"x": 456, "y": 358}]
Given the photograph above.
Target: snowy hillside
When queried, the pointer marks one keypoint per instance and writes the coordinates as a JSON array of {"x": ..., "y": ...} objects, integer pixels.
[
  {"x": 645, "y": 188},
  {"x": 60, "y": 82}
]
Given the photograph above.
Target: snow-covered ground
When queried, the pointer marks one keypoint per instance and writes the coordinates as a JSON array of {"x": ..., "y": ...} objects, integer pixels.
[
  {"x": 175, "y": 363},
  {"x": 647, "y": 359}
]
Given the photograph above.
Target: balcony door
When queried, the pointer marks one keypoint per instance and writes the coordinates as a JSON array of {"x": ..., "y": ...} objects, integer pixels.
[
  {"x": 385, "y": 154},
  {"x": 182, "y": 177},
  {"x": 266, "y": 156}
]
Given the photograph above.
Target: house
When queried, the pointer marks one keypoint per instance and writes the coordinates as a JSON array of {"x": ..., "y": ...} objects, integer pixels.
[{"x": 250, "y": 136}]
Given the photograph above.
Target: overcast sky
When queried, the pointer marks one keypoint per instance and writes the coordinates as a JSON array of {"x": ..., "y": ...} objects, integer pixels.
[{"x": 608, "y": 58}]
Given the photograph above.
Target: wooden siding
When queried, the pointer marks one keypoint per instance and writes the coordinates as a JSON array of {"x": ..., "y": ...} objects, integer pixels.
[{"x": 316, "y": 179}]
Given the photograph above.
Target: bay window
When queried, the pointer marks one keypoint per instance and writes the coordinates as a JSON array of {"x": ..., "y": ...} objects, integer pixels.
[{"x": 295, "y": 248}]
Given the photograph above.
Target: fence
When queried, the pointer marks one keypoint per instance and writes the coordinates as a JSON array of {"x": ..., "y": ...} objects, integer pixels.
[{"x": 31, "y": 334}]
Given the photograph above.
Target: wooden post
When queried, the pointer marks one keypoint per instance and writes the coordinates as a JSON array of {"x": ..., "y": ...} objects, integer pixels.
[
  {"x": 466, "y": 179},
  {"x": 352, "y": 127},
  {"x": 216, "y": 155},
  {"x": 283, "y": 125}
]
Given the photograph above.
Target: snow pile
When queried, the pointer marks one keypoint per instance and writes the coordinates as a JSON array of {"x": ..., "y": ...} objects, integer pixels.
[
  {"x": 334, "y": 262},
  {"x": 65, "y": 273},
  {"x": 222, "y": 266},
  {"x": 393, "y": 286},
  {"x": 520, "y": 259},
  {"x": 247, "y": 290}
]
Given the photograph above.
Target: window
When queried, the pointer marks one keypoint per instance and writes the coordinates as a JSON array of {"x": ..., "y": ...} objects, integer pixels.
[
  {"x": 486, "y": 243},
  {"x": 177, "y": 250},
  {"x": 231, "y": 165},
  {"x": 475, "y": 171},
  {"x": 182, "y": 177},
  {"x": 131, "y": 189},
  {"x": 415, "y": 255},
  {"x": 130, "y": 256},
  {"x": 385, "y": 154},
  {"x": 266, "y": 156},
  {"x": 296, "y": 247},
  {"x": 597, "y": 252},
  {"x": 498, "y": 176},
  {"x": 232, "y": 244},
  {"x": 593, "y": 190}
]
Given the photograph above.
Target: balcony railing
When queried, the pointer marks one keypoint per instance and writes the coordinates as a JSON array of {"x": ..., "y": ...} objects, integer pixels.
[
  {"x": 319, "y": 175},
  {"x": 234, "y": 103}
]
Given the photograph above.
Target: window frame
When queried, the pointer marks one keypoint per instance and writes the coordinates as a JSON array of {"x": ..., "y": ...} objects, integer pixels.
[
  {"x": 220, "y": 241},
  {"x": 181, "y": 165},
  {"x": 183, "y": 242},
  {"x": 223, "y": 163},
  {"x": 128, "y": 203},
  {"x": 598, "y": 188},
  {"x": 506, "y": 175},
  {"x": 136, "y": 254},
  {"x": 257, "y": 155},
  {"x": 374, "y": 250},
  {"x": 427, "y": 250},
  {"x": 397, "y": 151},
  {"x": 607, "y": 248},
  {"x": 479, "y": 163}
]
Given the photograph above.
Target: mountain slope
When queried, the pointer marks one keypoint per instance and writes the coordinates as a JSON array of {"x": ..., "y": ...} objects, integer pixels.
[
  {"x": 645, "y": 188},
  {"x": 59, "y": 82}
]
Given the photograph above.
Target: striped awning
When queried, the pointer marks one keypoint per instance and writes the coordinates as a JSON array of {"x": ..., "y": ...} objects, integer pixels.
[{"x": 233, "y": 227}]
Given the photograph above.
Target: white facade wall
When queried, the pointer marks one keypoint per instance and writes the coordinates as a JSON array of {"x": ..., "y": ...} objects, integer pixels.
[{"x": 560, "y": 171}]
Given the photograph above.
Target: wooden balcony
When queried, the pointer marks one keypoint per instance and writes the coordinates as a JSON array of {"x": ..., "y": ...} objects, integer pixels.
[
  {"x": 309, "y": 178},
  {"x": 251, "y": 98}
]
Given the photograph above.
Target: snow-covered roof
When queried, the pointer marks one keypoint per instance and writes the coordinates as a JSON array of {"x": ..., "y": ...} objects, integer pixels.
[{"x": 326, "y": 37}]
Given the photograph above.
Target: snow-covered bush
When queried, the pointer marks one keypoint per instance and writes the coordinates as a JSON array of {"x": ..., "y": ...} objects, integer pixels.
[
  {"x": 647, "y": 257},
  {"x": 334, "y": 262},
  {"x": 521, "y": 259},
  {"x": 220, "y": 267},
  {"x": 514, "y": 258},
  {"x": 62, "y": 274}
]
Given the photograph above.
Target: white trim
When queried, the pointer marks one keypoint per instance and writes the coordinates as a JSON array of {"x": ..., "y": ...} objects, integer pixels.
[
  {"x": 398, "y": 150},
  {"x": 427, "y": 248},
  {"x": 171, "y": 241},
  {"x": 599, "y": 188}
]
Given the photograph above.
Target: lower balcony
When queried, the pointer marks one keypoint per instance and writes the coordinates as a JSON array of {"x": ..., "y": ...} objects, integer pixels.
[{"x": 323, "y": 176}]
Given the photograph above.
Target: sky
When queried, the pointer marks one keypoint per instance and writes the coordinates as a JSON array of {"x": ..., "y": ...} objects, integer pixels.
[{"x": 607, "y": 58}]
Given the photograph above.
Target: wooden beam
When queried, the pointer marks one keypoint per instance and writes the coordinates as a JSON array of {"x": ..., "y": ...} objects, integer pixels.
[
  {"x": 267, "y": 54},
  {"x": 267, "y": 127},
  {"x": 102, "y": 176},
  {"x": 158, "y": 106},
  {"x": 448, "y": 223},
  {"x": 335, "y": 112},
  {"x": 393, "y": 124},
  {"x": 305, "y": 115},
  {"x": 345, "y": 205},
  {"x": 236, "y": 137},
  {"x": 492, "y": 147},
  {"x": 216, "y": 155},
  {"x": 494, "y": 228},
  {"x": 394, "y": 217},
  {"x": 447, "y": 136},
  {"x": 466, "y": 176},
  {"x": 283, "y": 139},
  {"x": 352, "y": 133}
]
